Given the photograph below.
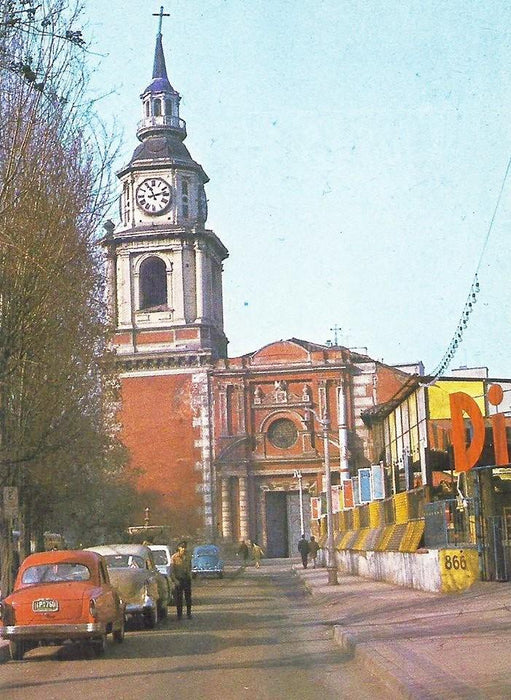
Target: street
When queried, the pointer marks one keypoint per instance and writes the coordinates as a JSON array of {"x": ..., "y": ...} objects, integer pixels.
[{"x": 254, "y": 634}]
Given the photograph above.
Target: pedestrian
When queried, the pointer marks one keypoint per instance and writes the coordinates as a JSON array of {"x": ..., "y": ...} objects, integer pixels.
[
  {"x": 243, "y": 552},
  {"x": 313, "y": 550},
  {"x": 303, "y": 548},
  {"x": 257, "y": 553},
  {"x": 181, "y": 575}
]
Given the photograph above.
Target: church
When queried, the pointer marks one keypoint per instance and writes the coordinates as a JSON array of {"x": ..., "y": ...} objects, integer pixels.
[{"x": 224, "y": 448}]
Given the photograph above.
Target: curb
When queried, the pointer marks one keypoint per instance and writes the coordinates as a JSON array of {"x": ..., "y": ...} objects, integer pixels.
[
  {"x": 395, "y": 679},
  {"x": 369, "y": 658}
]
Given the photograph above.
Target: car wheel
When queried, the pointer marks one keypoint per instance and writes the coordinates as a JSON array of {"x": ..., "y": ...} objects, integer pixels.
[
  {"x": 118, "y": 635},
  {"x": 99, "y": 645},
  {"x": 16, "y": 649},
  {"x": 194, "y": 575},
  {"x": 220, "y": 574},
  {"x": 151, "y": 618}
]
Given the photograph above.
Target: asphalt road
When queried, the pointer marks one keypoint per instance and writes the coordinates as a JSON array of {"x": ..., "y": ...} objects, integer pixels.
[{"x": 254, "y": 634}]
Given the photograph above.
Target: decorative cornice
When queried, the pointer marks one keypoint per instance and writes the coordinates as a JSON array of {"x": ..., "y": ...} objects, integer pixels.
[{"x": 184, "y": 360}]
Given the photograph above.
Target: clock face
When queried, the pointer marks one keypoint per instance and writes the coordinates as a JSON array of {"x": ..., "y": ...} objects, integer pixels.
[{"x": 153, "y": 195}]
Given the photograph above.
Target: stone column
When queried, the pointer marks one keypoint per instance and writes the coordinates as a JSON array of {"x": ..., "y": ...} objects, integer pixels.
[
  {"x": 243, "y": 496},
  {"x": 124, "y": 294},
  {"x": 199, "y": 281},
  {"x": 111, "y": 288},
  {"x": 178, "y": 281},
  {"x": 226, "y": 509}
]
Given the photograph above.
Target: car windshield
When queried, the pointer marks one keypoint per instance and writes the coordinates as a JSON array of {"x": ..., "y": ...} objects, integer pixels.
[
  {"x": 124, "y": 561},
  {"x": 160, "y": 557},
  {"x": 47, "y": 573},
  {"x": 208, "y": 551}
]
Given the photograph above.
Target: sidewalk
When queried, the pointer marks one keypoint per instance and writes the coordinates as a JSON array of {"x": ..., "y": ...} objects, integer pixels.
[{"x": 421, "y": 645}]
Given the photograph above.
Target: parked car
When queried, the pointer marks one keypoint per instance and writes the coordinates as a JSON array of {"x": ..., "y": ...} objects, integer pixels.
[
  {"x": 206, "y": 561},
  {"x": 145, "y": 592},
  {"x": 161, "y": 556},
  {"x": 61, "y": 595}
]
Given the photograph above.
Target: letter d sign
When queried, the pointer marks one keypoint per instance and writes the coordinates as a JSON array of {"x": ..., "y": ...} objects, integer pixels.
[{"x": 465, "y": 457}]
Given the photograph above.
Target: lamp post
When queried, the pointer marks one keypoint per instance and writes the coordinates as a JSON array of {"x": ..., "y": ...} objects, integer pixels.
[
  {"x": 298, "y": 475},
  {"x": 331, "y": 564}
]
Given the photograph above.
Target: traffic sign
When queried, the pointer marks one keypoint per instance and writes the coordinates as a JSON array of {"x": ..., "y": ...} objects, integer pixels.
[{"x": 10, "y": 502}]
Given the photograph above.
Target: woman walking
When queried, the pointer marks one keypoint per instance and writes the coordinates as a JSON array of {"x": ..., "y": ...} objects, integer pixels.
[{"x": 258, "y": 554}]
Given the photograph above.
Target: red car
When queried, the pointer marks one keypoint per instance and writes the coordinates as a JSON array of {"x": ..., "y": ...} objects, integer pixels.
[{"x": 59, "y": 596}]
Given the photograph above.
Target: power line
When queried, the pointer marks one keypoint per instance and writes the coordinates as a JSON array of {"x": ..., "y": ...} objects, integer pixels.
[{"x": 475, "y": 288}]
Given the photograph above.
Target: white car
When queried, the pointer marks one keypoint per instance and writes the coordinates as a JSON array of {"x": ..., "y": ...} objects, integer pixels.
[
  {"x": 161, "y": 556},
  {"x": 143, "y": 589}
]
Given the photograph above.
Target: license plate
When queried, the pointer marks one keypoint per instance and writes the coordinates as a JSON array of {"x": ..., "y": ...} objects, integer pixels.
[{"x": 45, "y": 605}]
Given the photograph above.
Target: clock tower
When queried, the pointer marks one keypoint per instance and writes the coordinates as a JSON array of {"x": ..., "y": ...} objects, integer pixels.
[
  {"x": 167, "y": 281},
  {"x": 164, "y": 280}
]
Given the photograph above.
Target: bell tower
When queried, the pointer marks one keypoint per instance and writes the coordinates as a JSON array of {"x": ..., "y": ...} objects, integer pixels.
[
  {"x": 164, "y": 282},
  {"x": 165, "y": 266}
]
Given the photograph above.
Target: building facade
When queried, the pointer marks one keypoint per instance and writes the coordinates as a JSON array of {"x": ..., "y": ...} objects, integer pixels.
[
  {"x": 271, "y": 409},
  {"x": 217, "y": 442},
  {"x": 164, "y": 276}
]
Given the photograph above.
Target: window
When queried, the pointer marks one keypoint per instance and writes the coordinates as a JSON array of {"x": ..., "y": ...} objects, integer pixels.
[
  {"x": 282, "y": 433},
  {"x": 153, "y": 283},
  {"x": 184, "y": 198},
  {"x": 168, "y": 107},
  {"x": 51, "y": 573},
  {"x": 157, "y": 107}
]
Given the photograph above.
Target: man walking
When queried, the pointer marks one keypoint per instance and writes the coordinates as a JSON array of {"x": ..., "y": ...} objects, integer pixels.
[
  {"x": 181, "y": 575},
  {"x": 303, "y": 548},
  {"x": 243, "y": 552},
  {"x": 313, "y": 550}
]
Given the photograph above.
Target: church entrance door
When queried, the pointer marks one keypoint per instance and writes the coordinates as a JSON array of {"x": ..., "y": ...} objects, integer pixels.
[{"x": 276, "y": 524}]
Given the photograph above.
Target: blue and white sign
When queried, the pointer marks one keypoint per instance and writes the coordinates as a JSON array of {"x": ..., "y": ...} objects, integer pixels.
[
  {"x": 364, "y": 484},
  {"x": 378, "y": 481}
]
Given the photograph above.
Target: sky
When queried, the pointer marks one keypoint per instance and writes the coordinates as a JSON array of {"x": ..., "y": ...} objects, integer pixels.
[{"x": 357, "y": 151}]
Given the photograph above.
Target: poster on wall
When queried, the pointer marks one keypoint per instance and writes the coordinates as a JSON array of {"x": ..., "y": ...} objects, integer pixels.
[
  {"x": 315, "y": 508},
  {"x": 347, "y": 488},
  {"x": 336, "y": 499},
  {"x": 364, "y": 483},
  {"x": 378, "y": 481},
  {"x": 356, "y": 490}
]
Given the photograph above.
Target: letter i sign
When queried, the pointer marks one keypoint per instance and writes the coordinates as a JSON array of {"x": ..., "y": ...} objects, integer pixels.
[{"x": 465, "y": 457}]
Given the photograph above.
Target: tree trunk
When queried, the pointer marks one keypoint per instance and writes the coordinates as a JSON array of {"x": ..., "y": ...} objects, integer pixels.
[{"x": 6, "y": 559}]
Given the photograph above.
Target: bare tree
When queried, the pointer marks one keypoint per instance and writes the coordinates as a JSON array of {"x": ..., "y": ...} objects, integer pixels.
[{"x": 56, "y": 436}]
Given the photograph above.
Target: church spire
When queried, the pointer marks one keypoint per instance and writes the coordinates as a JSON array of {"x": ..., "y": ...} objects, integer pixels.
[
  {"x": 160, "y": 100},
  {"x": 159, "y": 67}
]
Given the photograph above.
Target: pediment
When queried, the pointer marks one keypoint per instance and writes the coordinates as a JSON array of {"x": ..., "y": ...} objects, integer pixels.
[{"x": 282, "y": 352}]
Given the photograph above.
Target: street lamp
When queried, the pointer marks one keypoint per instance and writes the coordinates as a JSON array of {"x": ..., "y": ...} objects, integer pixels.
[
  {"x": 331, "y": 564},
  {"x": 298, "y": 475}
]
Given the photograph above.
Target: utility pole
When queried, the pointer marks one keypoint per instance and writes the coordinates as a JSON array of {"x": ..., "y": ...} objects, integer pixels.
[
  {"x": 298, "y": 475},
  {"x": 331, "y": 564}
]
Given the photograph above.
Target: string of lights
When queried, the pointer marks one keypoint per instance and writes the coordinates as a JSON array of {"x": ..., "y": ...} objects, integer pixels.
[{"x": 475, "y": 288}]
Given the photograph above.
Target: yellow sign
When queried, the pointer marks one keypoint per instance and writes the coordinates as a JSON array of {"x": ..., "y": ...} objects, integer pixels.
[
  {"x": 459, "y": 569},
  {"x": 438, "y": 397}
]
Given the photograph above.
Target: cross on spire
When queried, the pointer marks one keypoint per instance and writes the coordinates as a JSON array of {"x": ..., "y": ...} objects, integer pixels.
[
  {"x": 335, "y": 329},
  {"x": 161, "y": 15}
]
